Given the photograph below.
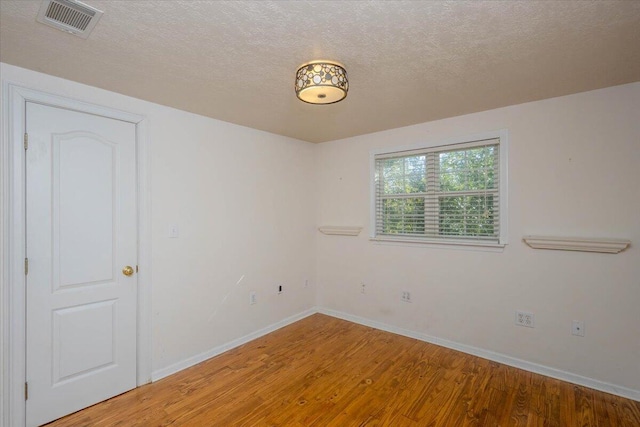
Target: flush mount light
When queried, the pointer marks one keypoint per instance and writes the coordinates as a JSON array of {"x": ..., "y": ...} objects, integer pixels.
[{"x": 321, "y": 82}]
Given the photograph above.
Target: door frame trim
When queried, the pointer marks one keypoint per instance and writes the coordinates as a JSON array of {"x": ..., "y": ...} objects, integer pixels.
[{"x": 12, "y": 202}]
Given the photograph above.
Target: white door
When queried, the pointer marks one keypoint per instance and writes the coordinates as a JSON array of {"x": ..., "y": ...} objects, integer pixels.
[{"x": 81, "y": 233}]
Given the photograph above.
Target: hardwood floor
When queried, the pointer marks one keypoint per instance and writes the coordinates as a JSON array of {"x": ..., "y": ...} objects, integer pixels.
[{"x": 323, "y": 371}]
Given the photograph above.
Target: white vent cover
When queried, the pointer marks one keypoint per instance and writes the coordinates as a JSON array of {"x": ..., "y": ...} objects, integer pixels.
[{"x": 70, "y": 16}]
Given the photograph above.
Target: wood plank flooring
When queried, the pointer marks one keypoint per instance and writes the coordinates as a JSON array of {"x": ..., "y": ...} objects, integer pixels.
[{"x": 323, "y": 371}]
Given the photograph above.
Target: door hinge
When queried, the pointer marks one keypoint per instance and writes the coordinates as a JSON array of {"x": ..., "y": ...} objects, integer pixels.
[
  {"x": 26, "y": 266},
  {"x": 26, "y": 141},
  {"x": 26, "y": 391}
]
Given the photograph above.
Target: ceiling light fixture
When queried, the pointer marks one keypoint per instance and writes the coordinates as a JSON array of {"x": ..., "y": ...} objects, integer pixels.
[{"x": 321, "y": 82}]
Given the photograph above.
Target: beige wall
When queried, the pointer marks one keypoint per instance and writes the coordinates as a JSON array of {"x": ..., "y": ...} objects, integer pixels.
[
  {"x": 574, "y": 170},
  {"x": 244, "y": 203}
]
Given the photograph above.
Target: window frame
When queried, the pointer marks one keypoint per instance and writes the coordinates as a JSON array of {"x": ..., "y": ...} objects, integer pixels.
[{"x": 501, "y": 135}]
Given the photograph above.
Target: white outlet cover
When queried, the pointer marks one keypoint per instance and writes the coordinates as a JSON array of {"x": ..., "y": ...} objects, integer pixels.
[
  {"x": 524, "y": 318},
  {"x": 577, "y": 328}
]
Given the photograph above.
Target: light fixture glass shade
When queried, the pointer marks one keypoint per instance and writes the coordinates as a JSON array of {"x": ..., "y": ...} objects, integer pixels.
[{"x": 321, "y": 82}]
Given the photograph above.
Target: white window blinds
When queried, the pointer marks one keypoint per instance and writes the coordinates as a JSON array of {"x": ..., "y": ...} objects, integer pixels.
[{"x": 442, "y": 193}]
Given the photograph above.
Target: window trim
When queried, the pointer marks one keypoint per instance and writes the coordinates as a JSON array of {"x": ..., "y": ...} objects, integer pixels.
[{"x": 502, "y": 135}]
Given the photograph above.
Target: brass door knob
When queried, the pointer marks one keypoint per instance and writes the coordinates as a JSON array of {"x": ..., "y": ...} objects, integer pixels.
[{"x": 127, "y": 271}]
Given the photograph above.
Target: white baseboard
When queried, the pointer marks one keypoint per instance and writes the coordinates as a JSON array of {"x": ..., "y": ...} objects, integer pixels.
[
  {"x": 475, "y": 351},
  {"x": 194, "y": 360},
  {"x": 490, "y": 355}
]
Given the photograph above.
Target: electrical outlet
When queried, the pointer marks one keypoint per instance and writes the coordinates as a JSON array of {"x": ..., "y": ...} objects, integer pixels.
[
  {"x": 406, "y": 296},
  {"x": 362, "y": 286},
  {"x": 252, "y": 298},
  {"x": 524, "y": 318},
  {"x": 577, "y": 328}
]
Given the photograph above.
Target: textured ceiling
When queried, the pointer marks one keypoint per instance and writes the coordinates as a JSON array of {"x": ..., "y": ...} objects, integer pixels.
[{"x": 408, "y": 62}]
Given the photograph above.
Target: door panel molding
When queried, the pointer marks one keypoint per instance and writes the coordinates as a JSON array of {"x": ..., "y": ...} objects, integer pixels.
[
  {"x": 12, "y": 286},
  {"x": 60, "y": 281}
]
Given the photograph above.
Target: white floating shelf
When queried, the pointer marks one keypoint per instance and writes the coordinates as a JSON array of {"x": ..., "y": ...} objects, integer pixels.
[
  {"x": 337, "y": 230},
  {"x": 610, "y": 246}
]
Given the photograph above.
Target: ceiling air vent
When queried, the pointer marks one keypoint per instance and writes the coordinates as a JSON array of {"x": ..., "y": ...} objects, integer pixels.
[{"x": 70, "y": 16}]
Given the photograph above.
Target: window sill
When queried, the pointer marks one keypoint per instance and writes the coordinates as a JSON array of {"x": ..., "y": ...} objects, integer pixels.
[{"x": 441, "y": 244}]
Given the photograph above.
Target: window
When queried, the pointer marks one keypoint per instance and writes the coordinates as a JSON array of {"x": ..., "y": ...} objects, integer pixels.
[{"x": 443, "y": 194}]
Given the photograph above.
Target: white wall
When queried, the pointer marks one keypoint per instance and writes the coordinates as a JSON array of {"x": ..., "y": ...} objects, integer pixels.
[
  {"x": 244, "y": 202},
  {"x": 247, "y": 204},
  {"x": 574, "y": 170}
]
